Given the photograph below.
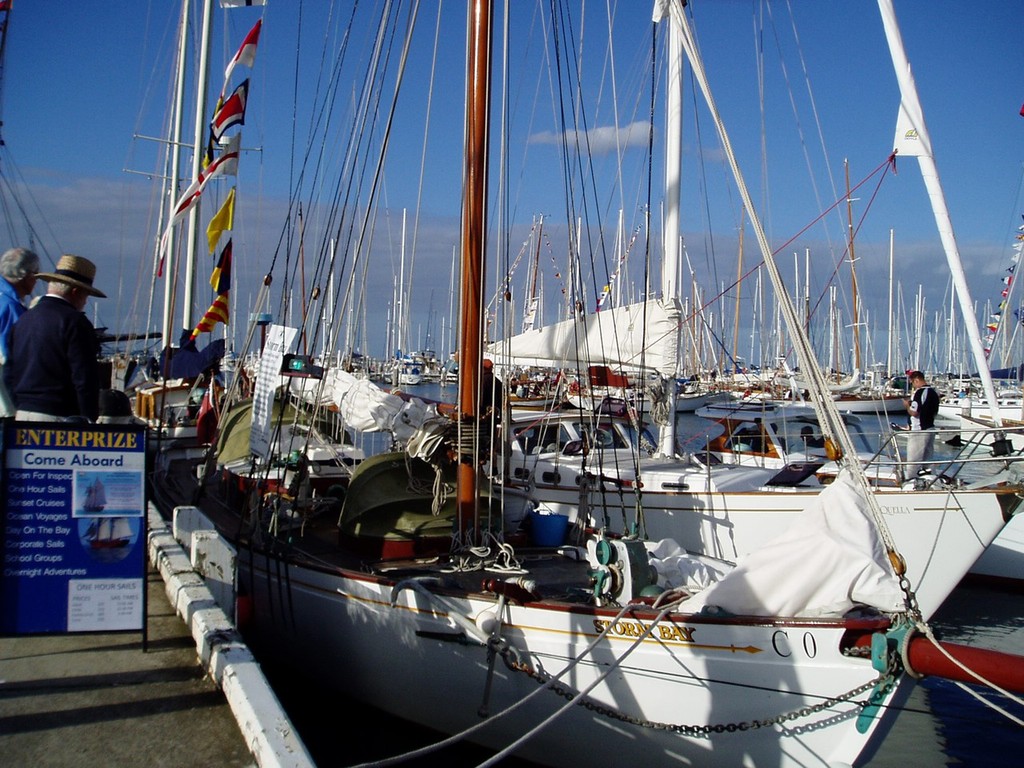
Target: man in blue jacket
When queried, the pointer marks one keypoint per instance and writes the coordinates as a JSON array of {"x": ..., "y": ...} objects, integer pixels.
[
  {"x": 922, "y": 407},
  {"x": 52, "y": 372},
  {"x": 18, "y": 268}
]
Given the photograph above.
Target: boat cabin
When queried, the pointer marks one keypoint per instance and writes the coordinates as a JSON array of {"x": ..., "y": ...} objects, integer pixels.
[{"x": 774, "y": 436}]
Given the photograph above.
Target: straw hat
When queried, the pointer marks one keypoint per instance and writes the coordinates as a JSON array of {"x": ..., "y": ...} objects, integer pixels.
[{"x": 74, "y": 270}]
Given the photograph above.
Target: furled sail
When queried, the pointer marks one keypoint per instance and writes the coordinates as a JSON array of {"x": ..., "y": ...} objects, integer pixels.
[{"x": 636, "y": 336}]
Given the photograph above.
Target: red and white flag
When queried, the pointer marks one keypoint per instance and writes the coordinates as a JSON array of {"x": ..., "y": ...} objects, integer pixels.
[
  {"x": 225, "y": 165},
  {"x": 246, "y": 54},
  {"x": 231, "y": 112}
]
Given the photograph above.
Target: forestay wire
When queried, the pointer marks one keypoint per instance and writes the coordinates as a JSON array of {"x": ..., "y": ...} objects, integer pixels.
[{"x": 825, "y": 408}]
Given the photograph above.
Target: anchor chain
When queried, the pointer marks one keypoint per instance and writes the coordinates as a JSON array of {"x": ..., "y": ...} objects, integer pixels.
[
  {"x": 913, "y": 609},
  {"x": 682, "y": 728}
]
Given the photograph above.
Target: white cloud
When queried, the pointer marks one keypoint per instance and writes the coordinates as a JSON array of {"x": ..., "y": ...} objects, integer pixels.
[{"x": 599, "y": 141}]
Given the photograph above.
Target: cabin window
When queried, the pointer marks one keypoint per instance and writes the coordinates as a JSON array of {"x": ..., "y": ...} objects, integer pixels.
[
  {"x": 604, "y": 438},
  {"x": 642, "y": 441},
  {"x": 543, "y": 438},
  {"x": 527, "y": 440},
  {"x": 747, "y": 440},
  {"x": 810, "y": 438}
]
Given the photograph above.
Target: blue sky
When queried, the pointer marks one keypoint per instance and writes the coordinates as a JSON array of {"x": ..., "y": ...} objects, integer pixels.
[{"x": 84, "y": 81}]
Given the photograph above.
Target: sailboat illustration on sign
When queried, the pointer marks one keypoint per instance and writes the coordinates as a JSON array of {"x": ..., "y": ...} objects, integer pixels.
[
  {"x": 95, "y": 496},
  {"x": 109, "y": 533}
]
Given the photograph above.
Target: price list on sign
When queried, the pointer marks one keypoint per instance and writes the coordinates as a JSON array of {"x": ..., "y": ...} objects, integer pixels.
[{"x": 73, "y": 545}]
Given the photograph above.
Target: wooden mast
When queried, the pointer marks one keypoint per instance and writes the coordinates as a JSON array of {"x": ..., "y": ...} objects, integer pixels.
[
  {"x": 474, "y": 228},
  {"x": 853, "y": 276},
  {"x": 739, "y": 288}
]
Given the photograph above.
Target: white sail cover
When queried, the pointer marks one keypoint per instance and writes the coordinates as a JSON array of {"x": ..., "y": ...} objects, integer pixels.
[
  {"x": 827, "y": 562},
  {"x": 641, "y": 335},
  {"x": 363, "y": 405}
]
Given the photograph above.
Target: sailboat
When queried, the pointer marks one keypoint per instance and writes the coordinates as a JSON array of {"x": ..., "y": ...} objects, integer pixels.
[
  {"x": 597, "y": 651},
  {"x": 95, "y": 496},
  {"x": 170, "y": 398},
  {"x": 109, "y": 533},
  {"x": 704, "y": 498}
]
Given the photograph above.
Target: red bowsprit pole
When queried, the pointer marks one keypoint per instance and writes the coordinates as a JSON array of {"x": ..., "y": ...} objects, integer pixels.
[
  {"x": 922, "y": 659},
  {"x": 1003, "y": 669}
]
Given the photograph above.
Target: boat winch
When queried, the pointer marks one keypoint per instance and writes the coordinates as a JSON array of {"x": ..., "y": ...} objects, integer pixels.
[{"x": 621, "y": 569}]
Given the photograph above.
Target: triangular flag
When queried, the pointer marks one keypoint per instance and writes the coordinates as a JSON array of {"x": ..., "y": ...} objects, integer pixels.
[
  {"x": 221, "y": 282},
  {"x": 224, "y": 219},
  {"x": 210, "y": 144},
  {"x": 217, "y": 313},
  {"x": 246, "y": 54},
  {"x": 220, "y": 278},
  {"x": 231, "y": 112},
  {"x": 225, "y": 165}
]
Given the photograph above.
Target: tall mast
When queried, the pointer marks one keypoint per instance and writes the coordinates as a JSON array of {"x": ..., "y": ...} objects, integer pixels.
[
  {"x": 474, "y": 228},
  {"x": 174, "y": 147},
  {"x": 739, "y": 286},
  {"x": 853, "y": 276},
  {"x": 670, "y": 247},
  {"x": 912, "y": 139},
  {"x": 888, "y": 349},
  {"x": 401, "y": 313},
  {"x": 202, "y": 78},
  {"x": 530, "y": 318},
  {"x": 821, "y": 399}
]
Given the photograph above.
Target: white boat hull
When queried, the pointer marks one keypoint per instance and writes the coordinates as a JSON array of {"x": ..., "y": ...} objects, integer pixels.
[
  {"x": 688, "y": 402},
  {"x": 1003, "y": 559},
  {"x": 940, "y": 533},
  {"x": 690, "y": 671}
]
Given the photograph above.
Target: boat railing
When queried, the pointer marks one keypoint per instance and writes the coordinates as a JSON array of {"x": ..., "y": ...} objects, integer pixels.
[{"x": 967, "y": 455}]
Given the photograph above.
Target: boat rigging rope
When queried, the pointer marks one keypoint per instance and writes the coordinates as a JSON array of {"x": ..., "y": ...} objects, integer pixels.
[
  {"x": 575, "y": 700},
  {"x": 458, "y": 737},
  {"x": 987, "y": 703},
  {"x": 925, "y": 630},
  {"x": 825, "y": 408}
]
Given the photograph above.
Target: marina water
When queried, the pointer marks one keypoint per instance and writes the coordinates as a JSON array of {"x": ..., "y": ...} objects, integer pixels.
[{"x": 942, "y": 724}]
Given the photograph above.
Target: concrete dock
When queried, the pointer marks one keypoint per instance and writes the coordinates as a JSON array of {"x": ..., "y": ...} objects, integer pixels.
[{"x": 194, "y": 697}]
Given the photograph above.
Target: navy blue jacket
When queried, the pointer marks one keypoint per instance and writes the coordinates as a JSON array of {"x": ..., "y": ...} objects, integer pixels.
[
  {"x": 53, "y": 364},
  {"x": 927, "y": 400}
]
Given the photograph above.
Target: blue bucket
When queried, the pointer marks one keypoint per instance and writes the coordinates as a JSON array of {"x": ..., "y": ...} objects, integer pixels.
[{"x": 548, "y": 530}]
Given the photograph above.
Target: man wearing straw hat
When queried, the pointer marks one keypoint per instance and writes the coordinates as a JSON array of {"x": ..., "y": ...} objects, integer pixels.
[{"x": 52, "y": 372}]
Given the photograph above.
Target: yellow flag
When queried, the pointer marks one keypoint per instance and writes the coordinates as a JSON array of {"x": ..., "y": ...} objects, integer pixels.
[{"x": 223, "y": 219}]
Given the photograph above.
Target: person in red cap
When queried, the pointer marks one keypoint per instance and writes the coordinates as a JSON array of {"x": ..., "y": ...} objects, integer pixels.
[{"x": 52, "y": 372}]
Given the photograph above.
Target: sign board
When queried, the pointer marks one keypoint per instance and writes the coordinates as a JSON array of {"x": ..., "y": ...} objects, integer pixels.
[
  {"x": 74, "y": 538},
  {"x": 279, "y": 339}
]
